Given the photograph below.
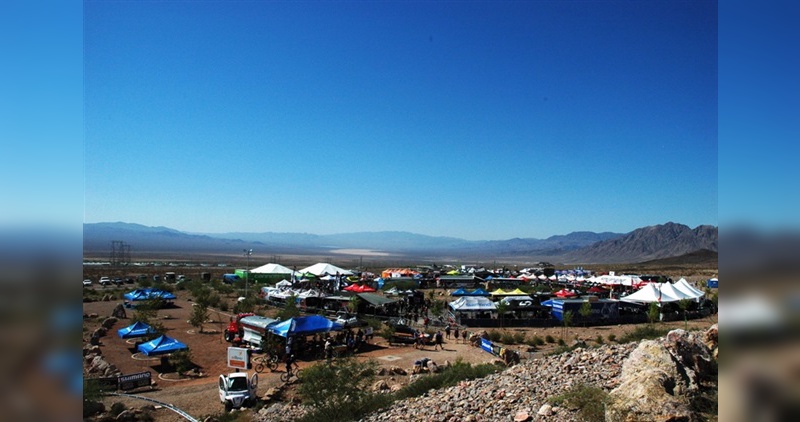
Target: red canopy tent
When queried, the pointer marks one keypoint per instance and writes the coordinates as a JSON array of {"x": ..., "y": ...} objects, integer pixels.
[
  {"x": 565, "y": 293},
  {"x": 359, "y": 288},
  {"x": 596, "y": 289}
]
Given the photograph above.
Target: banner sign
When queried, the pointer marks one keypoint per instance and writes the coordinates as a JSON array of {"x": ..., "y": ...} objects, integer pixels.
[
  {"x": 486, "y": 345},
  {"x": 238, "y": 358},
  {"x": 131, "y": 381}
]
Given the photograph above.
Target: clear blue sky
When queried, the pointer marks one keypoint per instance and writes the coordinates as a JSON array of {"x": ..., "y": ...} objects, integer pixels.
[{"x": 479, "y": 120}]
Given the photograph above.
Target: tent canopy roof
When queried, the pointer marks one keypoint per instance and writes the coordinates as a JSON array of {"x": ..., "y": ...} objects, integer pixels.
[
  {"x": 322, "y": 268},
  {"x": 271, "y": 269},
  {"x": 473, "y": 303},
  {"x": 305, "y": 325},
  {"x": 376, "y": 299},
  {"x": 161, "y": 346}
]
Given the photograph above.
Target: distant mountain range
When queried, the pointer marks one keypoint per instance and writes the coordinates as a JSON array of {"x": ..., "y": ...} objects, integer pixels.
[{"x": 648, "y": 243}]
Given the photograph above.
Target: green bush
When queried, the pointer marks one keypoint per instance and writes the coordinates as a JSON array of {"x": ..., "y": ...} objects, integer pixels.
[
  {"x": 599, "y": 339},
  {"x": 507, "y": 338},
  {"x": 181, "y": 361},
  {"x": 494, "y": 335},
  {"x": 561, "y": 342},
  {"x": 644, "y": 332},
  {"x": 612, "y": 337},
  {"x": 588, "y": 400},
  {"x": 548, "y": 338},
  {"x": 534, "y": 341},
  {"x": 338, "y": 390},
  {"x": 519, "y": 337}
]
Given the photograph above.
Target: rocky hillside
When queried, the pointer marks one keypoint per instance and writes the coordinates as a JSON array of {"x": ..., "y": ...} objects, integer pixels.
[
  {"x": 648, "y": 243},
  {"x": 671, "y": 378}
]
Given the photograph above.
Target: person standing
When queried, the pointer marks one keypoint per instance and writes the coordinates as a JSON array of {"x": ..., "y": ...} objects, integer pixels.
[
  {"x": 438, "y": 339},
  {"x": 447, "y": 331},
  {"x": 455, "y": 333}
]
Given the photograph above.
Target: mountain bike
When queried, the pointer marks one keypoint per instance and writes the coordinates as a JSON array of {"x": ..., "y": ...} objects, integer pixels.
[
  {"x": 294, "y": 371},
  {"x": 266, "y": 361}
]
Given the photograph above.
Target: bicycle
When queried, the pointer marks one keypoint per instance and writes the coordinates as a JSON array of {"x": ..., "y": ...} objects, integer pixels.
[
  {"x": 294, "y": 371},
  {"x": 267, "y": 361}
]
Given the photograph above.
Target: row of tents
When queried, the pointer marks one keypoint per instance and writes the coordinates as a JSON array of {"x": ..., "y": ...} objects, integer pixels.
[
  {"x": 160, "y": 345},
  {"x": 297, "y": 326}
]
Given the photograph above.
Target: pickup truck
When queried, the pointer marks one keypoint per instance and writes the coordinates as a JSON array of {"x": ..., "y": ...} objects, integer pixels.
[{"x": 236, "y": 391}]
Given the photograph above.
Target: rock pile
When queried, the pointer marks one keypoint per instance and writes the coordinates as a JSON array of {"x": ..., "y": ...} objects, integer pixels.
[
  {"x": 676, "y": 366},
  {"x": 518, "y": 391}
]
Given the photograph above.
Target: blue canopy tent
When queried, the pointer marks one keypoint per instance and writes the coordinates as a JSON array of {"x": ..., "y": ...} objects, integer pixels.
[
  {"x": 161, "y": 346},
  {"x": 304, "y": 325},
  {"x": 479, "y": 292},
  {"x": 137, "y": 329},
  {"x": 459, "y": 292},
  {"x": 147, "y": 294}
]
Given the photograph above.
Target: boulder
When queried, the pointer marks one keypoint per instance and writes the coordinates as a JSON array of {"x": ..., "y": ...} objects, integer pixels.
[
  {"x": 380, "y": 386},
  {"x": 109, "y": 322},
  {"x": 545, "y": 410},
  {"x": 396, "y": 370},
  {"x": 659, "y": 379},
  {"x": 645, "y": 396}
]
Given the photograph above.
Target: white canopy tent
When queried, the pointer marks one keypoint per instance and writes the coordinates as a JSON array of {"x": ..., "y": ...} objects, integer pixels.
[
  {"x": 648, "y": 294},
  {"x": 687, "y": 288},
  {"x": 472, "y": 303},
  {"x": 669, "y": 289},
  {"x": 321, "y": 268},
  {"x": 283, "y": 283},
  {"x": 617, "y": 280},
  {"x": 271, "y": 269}
]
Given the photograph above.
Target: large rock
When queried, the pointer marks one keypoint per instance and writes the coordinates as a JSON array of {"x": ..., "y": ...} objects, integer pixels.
[
  {"x": 660, "y": 379},
  {"x": 645, "y": 397}
]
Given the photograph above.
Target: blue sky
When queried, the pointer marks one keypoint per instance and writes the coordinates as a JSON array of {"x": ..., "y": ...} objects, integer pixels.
[{"x": 479, "y": 120}]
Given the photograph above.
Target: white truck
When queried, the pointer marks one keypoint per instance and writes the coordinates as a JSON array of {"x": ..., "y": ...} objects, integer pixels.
[{"x": 235, "y": 390}]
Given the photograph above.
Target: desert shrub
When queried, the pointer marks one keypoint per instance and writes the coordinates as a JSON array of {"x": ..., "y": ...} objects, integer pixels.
[
  {"x": 181, "y": 361},
  {"x": 494, "y": 335},
  {"x": 338, "y": 390},
  {"x": 519, "y": 337},
  {"x": 588, "y": 400},
  {"x": 223, "y": 305},
  {"x": 599, "y": 339},
  {"x": 644, "y": 332},
  {"x": 507, "y": 338},
  {"x": 548, "y": 338},
  {"x": 117, "y": 408},
  {"x": 386, "y": 332},
  {"x": 534, "y": 341},
  {"x": 561, "y": 342},
  {"x": 373, "y": 322},
  {"x": 612, "y": 337}
]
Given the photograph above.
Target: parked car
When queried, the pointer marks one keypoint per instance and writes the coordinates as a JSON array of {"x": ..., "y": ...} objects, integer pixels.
[
  {"x": 105, "y": 281},
  {"x": 118, "y": 281},
  {"x": 87, "y": 283},
  {"x": 347, "y": 320},
  {"x": 235, "y": 390}
]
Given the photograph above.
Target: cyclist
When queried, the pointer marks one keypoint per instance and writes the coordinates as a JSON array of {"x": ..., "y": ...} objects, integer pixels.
[{"x": 290, "y": 361}]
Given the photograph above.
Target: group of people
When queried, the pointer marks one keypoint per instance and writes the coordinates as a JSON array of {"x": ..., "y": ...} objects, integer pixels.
[{"x": 464, "y": 334}]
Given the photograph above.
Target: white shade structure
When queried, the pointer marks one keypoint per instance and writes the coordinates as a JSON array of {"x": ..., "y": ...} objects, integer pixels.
[
  {"x": 687, "y": 288},
  {"x": 669, "y": 289},
  {"x": 321, "y": 268},
  {"x": 271, "y": 269},
  {"x": 648, "y": 294}
]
